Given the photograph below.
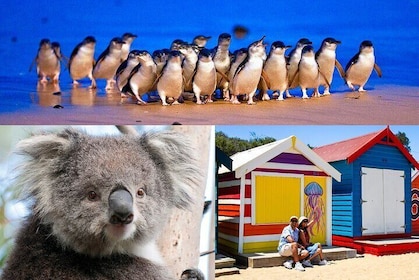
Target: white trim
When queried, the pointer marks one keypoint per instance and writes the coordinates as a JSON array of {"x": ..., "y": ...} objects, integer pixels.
[
  {"x": 329, "y": 211},
  {"x": 270, "y": 174},
  {"x": 227, "y": 184},
  {"x": 288, "y": 166},
  {"x": 262, "y": 238},
  {"x": 241, "y": 221},
  {"x": 234, "y": 201},
  {"x": 234, "y": 220},
  {"x": 228, "y": 237}
]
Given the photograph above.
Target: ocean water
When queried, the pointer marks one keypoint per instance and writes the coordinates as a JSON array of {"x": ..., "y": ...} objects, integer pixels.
[{"x": 392, "y": 26}]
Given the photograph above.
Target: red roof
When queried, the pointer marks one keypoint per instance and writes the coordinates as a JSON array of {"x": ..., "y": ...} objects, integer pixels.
[{"x": 351, "y": 149}]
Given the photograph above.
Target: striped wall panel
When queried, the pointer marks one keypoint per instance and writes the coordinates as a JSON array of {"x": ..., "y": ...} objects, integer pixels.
[{"x": 342, "y": 215}]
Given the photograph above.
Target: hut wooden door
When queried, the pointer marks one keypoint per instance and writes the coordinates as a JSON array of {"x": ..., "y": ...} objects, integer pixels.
[{"x": 382, "y": 198}]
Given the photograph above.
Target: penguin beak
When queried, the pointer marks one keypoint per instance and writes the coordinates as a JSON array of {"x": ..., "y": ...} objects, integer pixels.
[{"x": 260, "y": 42}]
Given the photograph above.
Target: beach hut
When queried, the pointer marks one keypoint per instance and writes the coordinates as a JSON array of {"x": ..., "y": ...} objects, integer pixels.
[
  {"x": 266, "y": 186},
  {"x": 373, "y": 199},
  {"x": 415, "y": 203}
]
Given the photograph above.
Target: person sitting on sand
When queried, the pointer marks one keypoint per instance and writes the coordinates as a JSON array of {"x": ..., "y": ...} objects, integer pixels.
[
  {"x": 315, "y": 249},
  {"x": 288, "y": 245}
]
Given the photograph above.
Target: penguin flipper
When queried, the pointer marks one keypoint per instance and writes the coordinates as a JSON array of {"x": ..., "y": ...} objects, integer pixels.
[
  {"x": 340, "y": 69},
  {"x": 266, "y": 79},
  {"x": 294, "y": 78},
  {"x": 223, "y": 75},
  {"x": 324, "y": 77},
  {"x": 378, "y": 70},
  {"x": 121, "y": 67}
]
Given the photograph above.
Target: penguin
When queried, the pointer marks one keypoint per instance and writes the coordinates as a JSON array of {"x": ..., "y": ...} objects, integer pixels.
[
  {"x": 170, "y": 83},
  {"x": 276, "y": 69},
  {"x": 128, "y": 38},
  {"x": 326, "y": 58},
  {"x": 108, "y": 62},
  {"x": 142, "y": 77},
  {"x": 247, "y": 75},
  {"x": 359, "y": 68},
  {"x": 160, "y": 58},
  {"x": 200, "y": 41},
  {"x": 124, "y": 70},
  {"x": 176, "y": 44},
  {"x": 190, "y": 53},
  {"x": 293, "y": 60},
  {"x": 308, "y": 74},
  {"x": 222, "y": 59},
  {"x": 82, "y": 61},
  {"x": 205, "y": 78},
  {"x": 48, "y": 64},
  {"x": 237, "y": 58}
]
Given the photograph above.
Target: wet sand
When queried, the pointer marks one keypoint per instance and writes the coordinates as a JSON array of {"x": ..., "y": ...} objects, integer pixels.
[
  {"x": 404, "y": 266},
  {"x": 384, "y": 104}
]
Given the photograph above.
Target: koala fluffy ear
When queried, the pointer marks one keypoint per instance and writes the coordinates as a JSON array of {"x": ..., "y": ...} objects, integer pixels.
[
  {"x": 179, "y": 158},
  {"x": 43, "y": 146}
]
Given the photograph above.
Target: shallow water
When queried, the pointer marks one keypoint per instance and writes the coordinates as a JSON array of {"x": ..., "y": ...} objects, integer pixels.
[{"x": 392, "y": 26}]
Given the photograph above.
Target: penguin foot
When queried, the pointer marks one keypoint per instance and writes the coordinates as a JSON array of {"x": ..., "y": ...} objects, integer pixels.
[
  {"x": 361, "y": 89},
  {"x": 141, "y": 102},
  {"x": 235, "y": 102},
  {"x": 176, "y": 102},
  {"x": 305, "y": 96},
  {"x": 280, "y": 98},
  {"x": 266, "y": 97},
  {"x": 275, "y": 95},
  {"x": 251, "y": 103},
  {"x": 326, "y": 92}
]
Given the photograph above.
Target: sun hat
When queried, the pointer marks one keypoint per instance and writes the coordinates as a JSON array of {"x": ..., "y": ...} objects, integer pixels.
[
  {"x": 301, "y": 219},
  {"x": 293, "y": 217}
]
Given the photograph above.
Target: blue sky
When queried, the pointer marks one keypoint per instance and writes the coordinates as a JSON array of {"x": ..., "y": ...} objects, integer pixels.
[{"x": 319, "y": 135}]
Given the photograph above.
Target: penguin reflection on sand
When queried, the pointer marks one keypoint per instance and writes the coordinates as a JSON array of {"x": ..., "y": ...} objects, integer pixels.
[
  {"x": 108, "y": 62},
  {"x": 359, "y": 68},
  {"x": 82, "y": 61},
  {"x": 205, "y": 78},
  {"x": 276, "y": 69},
  {"x": 326, "y": 58},
  {"x": 170, "y": 82},
  {"x": 249, "y": 72},
  {"x": 48, "y": 64},
  {"x": 124, "y": 70},
  {"x": 308, "y": 74},
  {"x": 142, "y": 77}
]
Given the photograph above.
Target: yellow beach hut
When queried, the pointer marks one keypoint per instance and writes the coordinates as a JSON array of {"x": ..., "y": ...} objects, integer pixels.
[{"x": 266, "y": 186}]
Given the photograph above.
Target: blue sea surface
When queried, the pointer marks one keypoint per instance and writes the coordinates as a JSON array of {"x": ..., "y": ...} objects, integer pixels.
[{"x": 392, "y": 26}]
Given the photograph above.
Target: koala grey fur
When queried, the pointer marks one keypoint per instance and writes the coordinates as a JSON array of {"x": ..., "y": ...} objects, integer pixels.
[{"x": 72, "y": 232}]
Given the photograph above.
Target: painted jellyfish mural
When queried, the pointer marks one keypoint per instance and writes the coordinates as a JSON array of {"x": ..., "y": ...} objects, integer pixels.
[{"x": 315, "y": 207}]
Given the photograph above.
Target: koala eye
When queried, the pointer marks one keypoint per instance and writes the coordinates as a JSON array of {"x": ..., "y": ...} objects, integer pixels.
[
  {"x": 140, "y": 193},
  {"x": 92, "y": 196}
]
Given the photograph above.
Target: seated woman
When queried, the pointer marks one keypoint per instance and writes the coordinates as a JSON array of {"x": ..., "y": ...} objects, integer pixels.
[{"x": 304, "y": 239}]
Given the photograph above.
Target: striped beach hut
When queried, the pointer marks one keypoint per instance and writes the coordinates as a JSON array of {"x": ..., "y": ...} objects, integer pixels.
[
  {"x": 266, "y": 186},
  {"x": 415, "y": 203},
  {"x": 373, "y": 200}
]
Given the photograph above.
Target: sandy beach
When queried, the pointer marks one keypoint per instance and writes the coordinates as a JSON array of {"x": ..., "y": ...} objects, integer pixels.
[
  {"x": 404, "y": 266},
  {"x": 384, "y": 104}
]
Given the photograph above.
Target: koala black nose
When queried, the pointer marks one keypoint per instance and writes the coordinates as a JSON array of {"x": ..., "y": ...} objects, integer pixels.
[{"x": 120, "y": 207}]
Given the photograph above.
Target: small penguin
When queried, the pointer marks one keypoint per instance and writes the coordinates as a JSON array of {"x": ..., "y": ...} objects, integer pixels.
[
  {"x": 142, "y": 77},
  {"x": 247, "y": 75},
  {"x": 170, "y": 83},
  {"x": 176, "y": 44},
  {"x": 48, "y": 64},
  {"x": 326, "y": 58},
  {"x": 237, "y": 58},
  {"x": 82, "y": 61},
  {"x": 205, "y": 78},
  {"x": 308, "y": 74},
  {"x": 359, "y": 68},
  {"x": 222, "y": 59},
  {"x": 201, "y": 41},
  {"x": 128, "y": 38},
  {"x": 276, "y": 69},
  {"x": 124, "y": 70},
  {"x": 293, "y": 60},
  {"x": 160, "y": 58},
  {"x": 190, "y": 53},
  {"x": 108, "y": 61}
]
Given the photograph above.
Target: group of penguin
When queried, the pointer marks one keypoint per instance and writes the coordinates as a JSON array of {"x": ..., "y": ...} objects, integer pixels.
[{"x": 190, "y": 67}]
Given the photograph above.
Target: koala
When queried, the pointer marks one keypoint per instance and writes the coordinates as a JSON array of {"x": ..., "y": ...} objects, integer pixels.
[{"x": 98, "y": 204}]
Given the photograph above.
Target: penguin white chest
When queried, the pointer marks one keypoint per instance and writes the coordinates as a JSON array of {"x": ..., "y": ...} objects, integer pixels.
[
  {"x": 360, "y": 71},
  {"x": 247, "y": 79},
  {"x": 308, "y": 73},
  {"x": 326, "y": 61},
  {"x": 205, "y": 79}
]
